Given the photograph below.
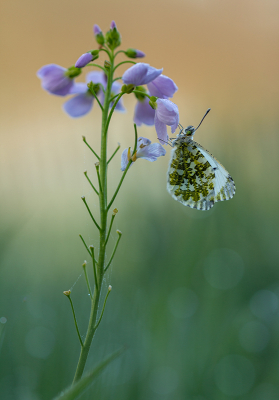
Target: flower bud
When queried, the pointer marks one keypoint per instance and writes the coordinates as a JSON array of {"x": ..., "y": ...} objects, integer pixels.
[
  {"x": 107, "y": 65},
  {"x": 153, "y": 104},
  {"x": 133, "y": 53},
  {"x": 109, "y": 288},
  {"x": 113, "y": 38},
  {"x": 67, "y": 293},
  {"x": 115, "y": 211},
  {"x": 83, "y": 60},
  {"x": 127, "y": 88},
  {"x": 98, "y": 35},
  {"x": 72, "y": 72},
  {"x": 140, "y": 97},
  {"x": 119, "y": 232}
]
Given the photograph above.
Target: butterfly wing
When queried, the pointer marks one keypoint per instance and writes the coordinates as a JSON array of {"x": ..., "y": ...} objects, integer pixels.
[{"x": 196, "y": 178}]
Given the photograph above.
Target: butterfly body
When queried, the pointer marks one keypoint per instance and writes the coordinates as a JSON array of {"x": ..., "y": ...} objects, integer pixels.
[{"x": 195, "y": 177}]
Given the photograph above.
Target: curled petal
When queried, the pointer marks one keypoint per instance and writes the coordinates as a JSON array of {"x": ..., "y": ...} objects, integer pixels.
[
  {"x": 140, "y": 74},
  {"x": 142, "y": 142},
  {"x": 54, "y": 79},
  {"x": 162, "y": 87},
  {"x": 79, "y": 105},
  {"x": 161, "y": 130},
  {"x": 144, "y": 113},
  {"x": 167, "y": 112},
  {"x": 151, "y": 152}
]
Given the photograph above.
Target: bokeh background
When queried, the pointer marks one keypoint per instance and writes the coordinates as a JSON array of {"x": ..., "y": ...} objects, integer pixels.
[{"x": 195, "y": 294}]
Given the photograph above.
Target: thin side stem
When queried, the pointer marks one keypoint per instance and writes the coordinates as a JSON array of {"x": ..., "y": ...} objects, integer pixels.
[
  {"x": 124, "y": 62},
  {"x": 95, "y": 154},
  {"x": 104, "y": 306},
  {"x": 126, "y": 169},
  {"x": 93, "y": 219},
  {"x": 73, "y": 310},
  {"x": 93, "y": 187},
  {"x": 87, "y": 280},
  {"x": 92, "y": 91},
  {"x": 83, "y": 241},
  {"x": 96, "y": 65},
  {"x": 114, "y": 250},
  {"x": 98, "y": 174},
  {"x": 117, "y": 148},
  {"x": 112, "y": 109},
  {"x": 111, "y": 222},
  {"x": 94, "y": 267}
]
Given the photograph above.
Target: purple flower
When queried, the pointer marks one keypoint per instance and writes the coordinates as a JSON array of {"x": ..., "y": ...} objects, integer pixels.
[
  {"x": 82, "y": 103},
  {"x": 113, "y": 25},
  {"x": 144, "y": 113},
  {"x": 55, "y": 80},
  {"x": 98, "y": 35},
  {"x": 140, "y": 74},
  {"x": 166, "y": 114},
  {"x": 84, "y": 60},
  {"x": 162, "y": 87},
  {"x": 145, "y": 150}
]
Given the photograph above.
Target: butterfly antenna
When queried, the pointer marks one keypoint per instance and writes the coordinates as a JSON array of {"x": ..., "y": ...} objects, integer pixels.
[
  {"x": 203, "y": 118},
  {"x": 163, "y": 141}
]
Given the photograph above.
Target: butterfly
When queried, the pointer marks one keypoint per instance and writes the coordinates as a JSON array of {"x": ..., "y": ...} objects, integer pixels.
[{"x": 195, "y": 178}]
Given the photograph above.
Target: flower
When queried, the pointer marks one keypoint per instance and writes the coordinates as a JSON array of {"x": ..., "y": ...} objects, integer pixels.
[
  {"x": 162, "y": 87},
  {"x": 144, "y": 113},
  {"x": 166, "y": 113},
  {"x": 140, "y": 74},
  {"x": 145, "y": 150},
  {"x": 113, "y": 25},
  {"x": 82, "y": 103},
  {"x": 133, "y": 53},
  {"x": 55, "y": 80}
]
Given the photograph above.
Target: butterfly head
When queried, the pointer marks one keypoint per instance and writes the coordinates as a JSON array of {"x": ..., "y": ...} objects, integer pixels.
[{"x": 189, "y": 131}]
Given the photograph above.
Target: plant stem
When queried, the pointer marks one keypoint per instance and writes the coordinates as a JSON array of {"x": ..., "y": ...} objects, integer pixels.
[
  {"x": 73, "y": 310},
  {"x": 103, "y": 226}
]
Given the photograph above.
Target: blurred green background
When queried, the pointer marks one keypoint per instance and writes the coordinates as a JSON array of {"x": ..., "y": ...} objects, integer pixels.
[{"x": 195, "y": 294}]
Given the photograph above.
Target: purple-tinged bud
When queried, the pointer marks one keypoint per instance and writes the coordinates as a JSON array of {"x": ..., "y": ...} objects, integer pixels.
[
  {"x": 133, "y": 53},
  {"x": 113, "y": 25},
  {"x": 98, "y": 35},
  {"x": 84, "y": 60}
]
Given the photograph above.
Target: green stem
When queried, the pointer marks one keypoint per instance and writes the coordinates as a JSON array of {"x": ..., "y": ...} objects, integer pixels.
[
  {"x": 88, "y": 209},
  {"x": 112, "y": 109},
  {"x": 86, "y": 278},
  {"x": 92, "y": 91},
  {"x": 114, "y": 250},
  {"x": 95, "y": 154},
  {"x": 98, "y": 174},
  {"x": 118, "y": 147},
  {"x": 85, "y": 245},
  {"x": 111, "y": 222},
  {"x": 101, "y": 316},
  {"x": 73, "y": 310},
  {"x": 123, "y": 62},
  {"x": 102, "y": 228},
  {"x": 93, "y": 187},
  {"x": 126, "y": 169},
  {"x": 94, "y": 267}
]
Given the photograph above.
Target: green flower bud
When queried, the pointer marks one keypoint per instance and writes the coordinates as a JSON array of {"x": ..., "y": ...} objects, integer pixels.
[
  {"x": 93, "y": 88},
  {"x": 73, "y": 72},
  {"x": 113, "y": 38},
  {"x": 153, "y": 105},
  {"x": 133, "y": 53},
  {"x": 107, "y": 65},
  {"x": 127, "y": 88},
  {"x": 140, "y": 97}
]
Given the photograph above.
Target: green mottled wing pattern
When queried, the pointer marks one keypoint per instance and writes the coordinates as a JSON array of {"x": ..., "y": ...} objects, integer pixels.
[{"x": 196, "y": 178}]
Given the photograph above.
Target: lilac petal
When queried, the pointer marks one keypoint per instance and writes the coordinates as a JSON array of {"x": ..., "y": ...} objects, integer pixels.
[
  {"x": 96, "y": 29},
  {"x": 143, "y": 142},
  {"x": 161, "y": 130},
  {"x": 96, "y": 77},
  {"x": 162, "y": 87},
  {"x": 151, "y": 152},
  {"x": 140, "y": 74},
  {"x": 54, "y": 79},
  {"x": 124, "y": 159},
  {"x": 144, "y": 113},
  {"x": 140, "y": 54},
  {"x": 112, "y": 25},
  {"x": 83, "y": 60},
  {"x": 78, "y": 87},
  {"x": 167, "y": 112},
  {"x": 79, "y": 105}
]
